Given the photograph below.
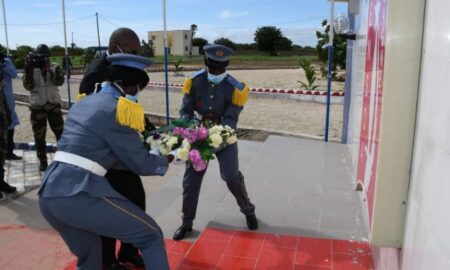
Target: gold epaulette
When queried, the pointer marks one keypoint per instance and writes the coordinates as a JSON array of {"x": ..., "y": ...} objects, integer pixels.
[
  {"x": 240, "y": 97},
  {"x": 130, "y": 114},
  {"x": 187, "y": 85},
  {"x": 81, "y": 96}
]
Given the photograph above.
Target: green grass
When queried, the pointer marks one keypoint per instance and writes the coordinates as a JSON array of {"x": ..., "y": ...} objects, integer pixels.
[
  {"x": 241, "y": 58},
  {"x": 77, "y": 60}
]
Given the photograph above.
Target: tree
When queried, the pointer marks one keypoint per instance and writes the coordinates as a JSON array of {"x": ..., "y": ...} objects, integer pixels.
[
  {"x": 57, "y": 50},
  {"x": 147, "y": 49},
  {"x": 339, "y": 48},
  {"x": 75, "y": 51},
  {"x": 88, "y": 56},
  {"x": 245, "y": 46},
  {"x": 271, "y": 39},
  {"x": 193, "y": 30},
  {"x": 225, "y": 42},
  {"x": 200, "y": 42},
  {"x": 20, "y": 54}
]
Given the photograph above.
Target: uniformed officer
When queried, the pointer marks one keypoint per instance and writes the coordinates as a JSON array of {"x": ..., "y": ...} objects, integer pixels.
[
  {"x": 122, "y": 40},
  {"x": 102, "y": 132},
  {"x": 216, "y": 96}
]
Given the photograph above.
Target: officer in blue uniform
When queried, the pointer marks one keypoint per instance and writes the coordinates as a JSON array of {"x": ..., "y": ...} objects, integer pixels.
[
  {"x": 101, "y": 133},
  {"x": 212, "y": 94}
]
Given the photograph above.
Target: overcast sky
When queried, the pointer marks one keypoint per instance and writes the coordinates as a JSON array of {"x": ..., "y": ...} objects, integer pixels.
[{"x": 31, "y": 22}]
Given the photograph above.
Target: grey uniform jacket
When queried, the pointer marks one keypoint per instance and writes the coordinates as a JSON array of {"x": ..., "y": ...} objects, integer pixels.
[
  {"x": 91, "y": 131},
  {"x": 44, "y": 91},
  {"x": 212, "y": 100}
]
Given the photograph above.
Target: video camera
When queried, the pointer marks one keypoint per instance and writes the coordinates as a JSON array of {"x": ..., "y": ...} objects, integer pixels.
[{"x": 36, "y": 60}]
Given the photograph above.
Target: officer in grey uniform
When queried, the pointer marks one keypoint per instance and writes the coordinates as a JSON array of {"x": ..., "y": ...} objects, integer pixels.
[
  {"x": 101, "y": 132},
  {"x": 214, "y": 95}
]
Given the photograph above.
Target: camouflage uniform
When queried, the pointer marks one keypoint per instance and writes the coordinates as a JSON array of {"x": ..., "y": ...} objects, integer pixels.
[
  {"x": 5, "y": 120},
  {"x": 45, "y": 104}
]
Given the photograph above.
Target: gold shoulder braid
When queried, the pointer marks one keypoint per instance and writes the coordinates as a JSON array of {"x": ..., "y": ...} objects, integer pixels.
[
  {"x": 240, "y": 97},
  {"x": 130, "y": 114},
  {"x": 81, "y": 96},
  {"x": 187, "y": 85}
]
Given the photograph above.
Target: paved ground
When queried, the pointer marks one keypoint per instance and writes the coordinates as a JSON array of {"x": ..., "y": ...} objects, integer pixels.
[
  {"x": 302, "y": 190},
  {"x": 300, "y": 187}
]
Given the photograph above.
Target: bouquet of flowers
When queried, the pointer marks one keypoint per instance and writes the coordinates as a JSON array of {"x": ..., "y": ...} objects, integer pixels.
[{"x": 194, "y": 142}]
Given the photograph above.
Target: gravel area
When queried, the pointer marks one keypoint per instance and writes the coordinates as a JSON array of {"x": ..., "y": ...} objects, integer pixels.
[{"x": 289, "y": 116}]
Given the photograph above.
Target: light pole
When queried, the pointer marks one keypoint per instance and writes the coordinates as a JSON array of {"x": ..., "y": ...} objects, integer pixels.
[
  {"x": 166, "y": 71},
  {"x": 330, "y": 64},
  {"x": 6, "y": 27},
  {"x": 66, "y": 54}
]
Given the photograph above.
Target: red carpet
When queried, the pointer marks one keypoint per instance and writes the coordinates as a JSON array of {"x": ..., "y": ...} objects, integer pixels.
[{"x": 25, "y": 248}]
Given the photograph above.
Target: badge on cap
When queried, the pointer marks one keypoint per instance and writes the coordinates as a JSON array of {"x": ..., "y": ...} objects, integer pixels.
[{"x": 218, "y": 52}]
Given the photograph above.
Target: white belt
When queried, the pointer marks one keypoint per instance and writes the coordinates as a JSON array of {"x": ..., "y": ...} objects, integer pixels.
[{"x": 80, "y": 161}]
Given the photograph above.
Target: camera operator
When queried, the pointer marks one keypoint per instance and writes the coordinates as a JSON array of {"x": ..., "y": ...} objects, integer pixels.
[
  {"x": 5, "y": 121},
  {"x": 42, "y": 79}
]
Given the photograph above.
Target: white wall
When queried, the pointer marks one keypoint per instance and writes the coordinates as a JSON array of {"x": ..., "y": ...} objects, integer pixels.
[
  {"x": 358, "y": 67},
  {"x": 427, "y": 236}
]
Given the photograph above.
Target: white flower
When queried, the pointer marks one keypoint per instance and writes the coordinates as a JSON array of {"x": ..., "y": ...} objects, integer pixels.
[
  {"x": 216, "y": 129},
  {"x": 216, "y": 140},
  {"x": 183, "y": 154},
  {"x": 172, "y": 141},
  {"x": 186, "y": 144},
  {"x": 149, "y": 140},
  {"x": 232, "y": 139},
  {"x": 164, "y": 150},
  {"x": 229, "y": 129},
  {"x": 152, "y": 142}
]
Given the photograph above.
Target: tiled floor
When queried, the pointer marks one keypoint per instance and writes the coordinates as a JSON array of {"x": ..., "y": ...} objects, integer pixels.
[
  {"x": 300, "y": 208},
  {"x": 24, "y": 174},
  {"x": 223, "y": 249},
  {"x": 26, "y": 248}
]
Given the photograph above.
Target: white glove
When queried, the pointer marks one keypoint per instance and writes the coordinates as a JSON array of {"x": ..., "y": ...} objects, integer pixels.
[{"x": 155, "y": 151}]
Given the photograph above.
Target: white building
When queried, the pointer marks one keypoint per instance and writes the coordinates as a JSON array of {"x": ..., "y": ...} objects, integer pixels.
[{"x": 178, "y": 42}]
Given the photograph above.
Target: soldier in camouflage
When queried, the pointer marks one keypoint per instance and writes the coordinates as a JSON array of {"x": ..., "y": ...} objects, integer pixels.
[
  {"x": 5, "y": 120},
  {"x": 42, "y": 79}
]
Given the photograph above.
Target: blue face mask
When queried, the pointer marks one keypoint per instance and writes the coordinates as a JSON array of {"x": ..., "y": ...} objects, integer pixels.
[
  {"x": 216, "y": 79},
  {"x": 132, "y": 98}
]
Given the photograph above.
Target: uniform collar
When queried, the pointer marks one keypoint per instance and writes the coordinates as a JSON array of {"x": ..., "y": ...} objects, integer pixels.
[{"x": 108, "y": 87}]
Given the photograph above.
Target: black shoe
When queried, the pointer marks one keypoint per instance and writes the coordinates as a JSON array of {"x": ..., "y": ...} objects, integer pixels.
[
  {"x": 114, "y": 266},
  {"x": 252, "y": 222},
  {"x": 135, "y": 260},
  {"x": 13, "y": 157},
  {"x": 181, "y": 232},
  {"x": 43, "y": 165},
  {"x": 5, "y": 187}
]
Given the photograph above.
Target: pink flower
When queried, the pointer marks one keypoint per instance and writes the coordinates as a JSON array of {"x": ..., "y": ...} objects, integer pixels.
[
  {"x": 194, "y": 155},
  {"x": 197, "y": 162},
  {"x": 199, "y": 166},
  {"x": 185, "y": 133},
  {"x": 202, "y": 133}
]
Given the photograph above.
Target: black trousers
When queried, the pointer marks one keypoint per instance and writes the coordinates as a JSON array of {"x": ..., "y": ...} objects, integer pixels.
[
  {"x": 11, "y": 145},
  {"x": 130, "y": 186}
]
